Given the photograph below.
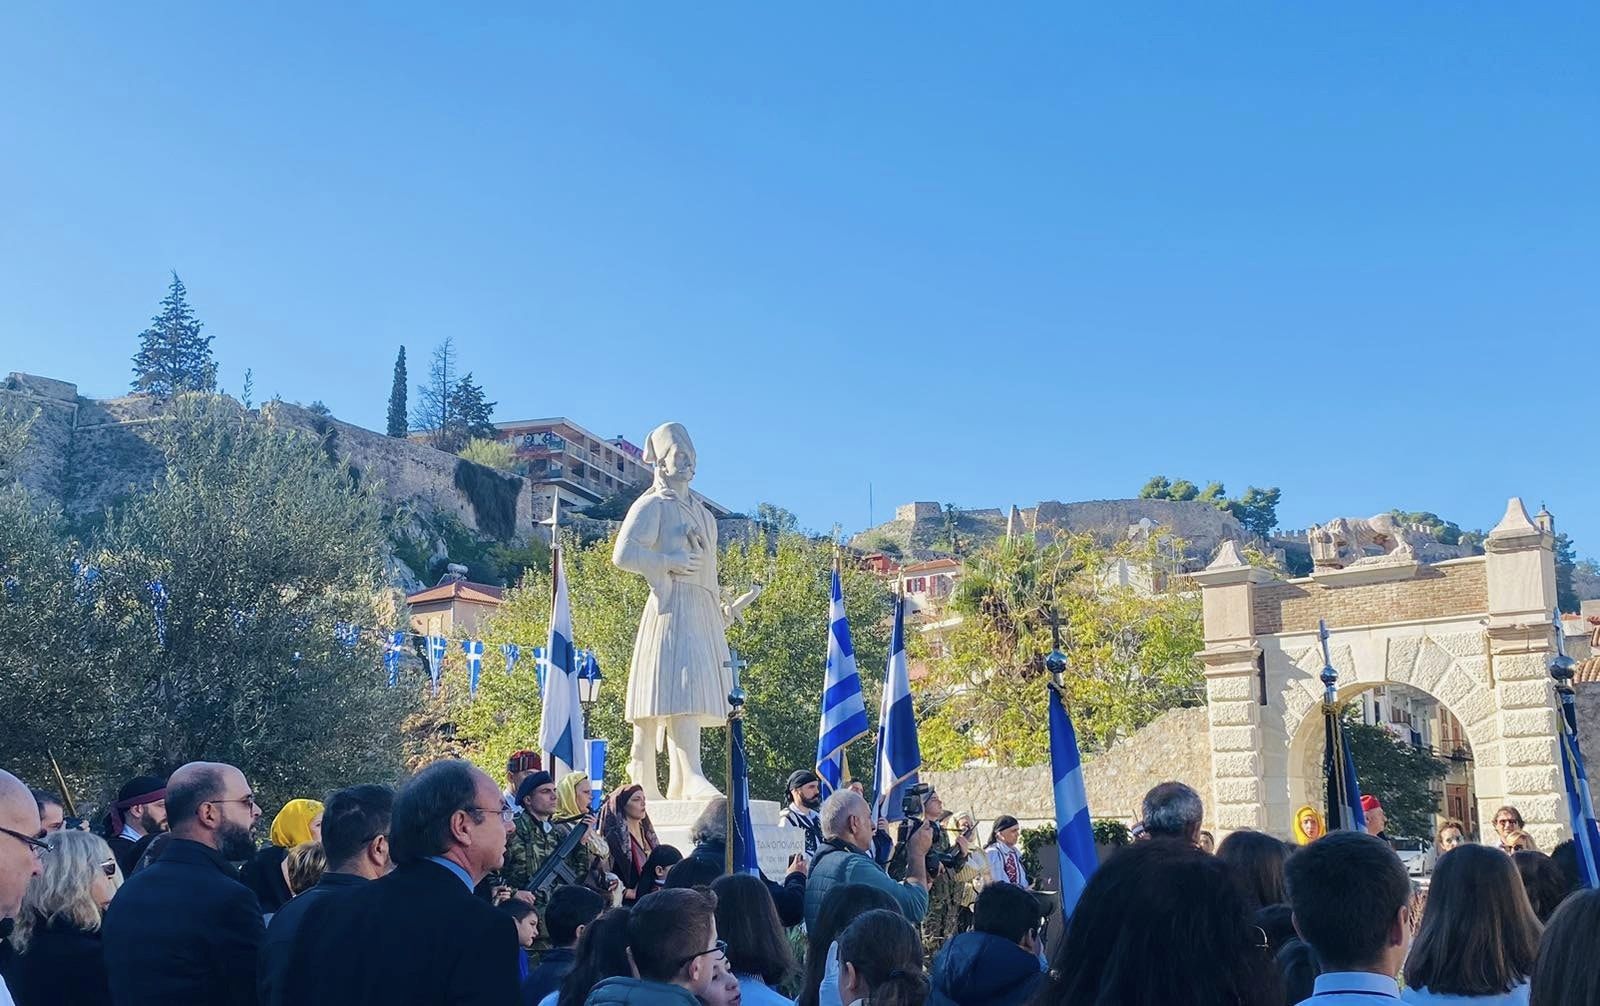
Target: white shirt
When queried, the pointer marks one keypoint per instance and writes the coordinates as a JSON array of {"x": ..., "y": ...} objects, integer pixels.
[
  {"x": 755, "y": 992},
  {"x": 998, "y": 853},
  {"x": 1518, "y": 996},
  {"x": 129, "y": 834},
  {"x": 5, "y": 995},
  {"x": 1353, "y": 988},
  {"x": 828, "y": 991}
]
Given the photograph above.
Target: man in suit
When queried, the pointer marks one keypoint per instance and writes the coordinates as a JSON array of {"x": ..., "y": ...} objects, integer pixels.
[
  {"x": 418, "y": 937},
  {"x": 184, "y": 930},
  {"x": 355, "y": 838},
  {"x": 21, "y": 845},
  {"x": 138, "y": 816}
]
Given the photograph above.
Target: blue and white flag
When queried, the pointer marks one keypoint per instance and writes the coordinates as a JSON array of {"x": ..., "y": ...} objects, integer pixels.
[
  {"x": 1074, "y": 831},
  {"x": 1574, "y": 777},
  {"x": 898, "y": 757},
  {"x": 844, "y": 711},
  {"x": 1344, "y": 792},
  {"x": 512, "y": 653},
  {"x": 538, "y": 667},
  {"x": 561, "y": 719},
  {"x": 348, "y": 634},
  {"x": 158, "y": 608},
  {"x": 391, "y": 656},
  {"x": 84, "y": 579},
  {"x": 437, "y": 647},
  {"x": 473, "y": 648},
  {"x": 742, "y": 833}
]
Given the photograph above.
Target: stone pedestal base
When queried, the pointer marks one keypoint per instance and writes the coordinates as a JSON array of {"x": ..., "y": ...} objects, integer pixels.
[{"x": 774, "y": 845}]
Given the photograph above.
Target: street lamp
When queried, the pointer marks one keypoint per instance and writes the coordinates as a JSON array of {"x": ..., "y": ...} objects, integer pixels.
[{"x": 589, "y": 678}]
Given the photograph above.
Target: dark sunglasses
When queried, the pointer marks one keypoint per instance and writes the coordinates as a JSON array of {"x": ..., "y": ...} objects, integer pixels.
[{"x": 109, "y": 868}]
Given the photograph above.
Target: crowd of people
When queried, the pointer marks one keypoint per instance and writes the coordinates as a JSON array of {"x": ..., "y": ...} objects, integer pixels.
[{"x": 456, "y": 890}]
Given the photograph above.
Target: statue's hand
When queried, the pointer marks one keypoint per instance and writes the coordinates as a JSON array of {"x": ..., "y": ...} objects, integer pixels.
[{"x": 685, "y": 563}]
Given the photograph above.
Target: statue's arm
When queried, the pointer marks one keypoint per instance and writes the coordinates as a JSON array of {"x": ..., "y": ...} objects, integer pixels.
[{"x": 636, "y": 548}]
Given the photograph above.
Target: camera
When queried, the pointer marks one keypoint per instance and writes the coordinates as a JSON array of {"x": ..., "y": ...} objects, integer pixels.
[{"x": 912, "y": 800}]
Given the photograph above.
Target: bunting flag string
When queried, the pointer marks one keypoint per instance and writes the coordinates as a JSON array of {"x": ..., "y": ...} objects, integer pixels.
[
  {"x": 158, "y": 608},
  {"x": 392, "y": 654},
  {"x": 512, "y": 653},
  {"x": 437, "y": 646},
  {"x": 473, "y": 648}
]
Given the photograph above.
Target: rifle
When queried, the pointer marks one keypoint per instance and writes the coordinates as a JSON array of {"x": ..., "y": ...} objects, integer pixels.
[{"x": 554, "y": 870}]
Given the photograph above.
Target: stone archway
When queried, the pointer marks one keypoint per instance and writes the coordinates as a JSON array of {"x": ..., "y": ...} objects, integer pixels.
[{"x": 1472, "y": 633}]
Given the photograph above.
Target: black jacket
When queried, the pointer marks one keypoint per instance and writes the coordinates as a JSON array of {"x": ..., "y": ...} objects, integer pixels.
[
  {"x": 273, "y": 963},
  {"x": 418, "y": 937},
  {"x": 263, "y": 874},
  {"x": 64, "y": 966},
  {"x": 183, "y": 930},
  {"x": 789, "y": 897},
  {"x": 981, "y": 969},
  {"x": 548, "y": 976}
]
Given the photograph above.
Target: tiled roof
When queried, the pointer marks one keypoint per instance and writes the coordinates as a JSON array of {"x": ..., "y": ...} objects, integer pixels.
[
  {"x": 458, "y": 590},
  {"x": 1587, "y": 672},
  {"x": 918, "y": 567}
]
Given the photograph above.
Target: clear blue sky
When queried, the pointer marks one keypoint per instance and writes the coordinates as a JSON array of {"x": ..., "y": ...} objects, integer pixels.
[{"x": 1041, "y": 252}]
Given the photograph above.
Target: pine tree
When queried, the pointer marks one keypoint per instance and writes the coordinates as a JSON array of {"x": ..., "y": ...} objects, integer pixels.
[
  {"x": 173, "y": 356},
  {"x": 397, "y": 397},
  {"x": 472, "y": 414}
]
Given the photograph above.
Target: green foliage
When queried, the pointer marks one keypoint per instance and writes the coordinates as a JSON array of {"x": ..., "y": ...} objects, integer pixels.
[
  {"x": 16, "y": 423},
  {"x": 775, "y": 519},
  {"x": 879, "y": 541},
  {"x": 1130, "y": 654},
  {"x": 472, "y": 413},
  {"x": 784, "y": 638},
  {"x": 1041, "y": 841},
  {"x": 493, "y": 497},
  {"x": 1402, "y": 777},
  {"x": 397, "y": 397},
  {"x": 513, "y": 561},
  {"x": 1445, "y": 532},
  {"x": 1257, "y": 509},
  {"x": 490, "y": 453},
  {"x": 173, "y": 356},
  {"x": 261, "y": 545},
  {"x": 1108, "y": 831}
]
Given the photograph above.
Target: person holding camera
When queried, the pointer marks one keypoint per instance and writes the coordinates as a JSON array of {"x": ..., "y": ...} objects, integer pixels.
[
  {"x": 945, "y": 861},
  {"x": 845, "y": 857}
]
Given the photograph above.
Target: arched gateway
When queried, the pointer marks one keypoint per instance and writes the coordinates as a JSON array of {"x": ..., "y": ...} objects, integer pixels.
[{"x": 1473, "y": 635}]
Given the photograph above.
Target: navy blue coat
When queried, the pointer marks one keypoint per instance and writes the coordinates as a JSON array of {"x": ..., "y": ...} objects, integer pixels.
[
  {"x": 273, "y": 963},
  {"x": 981, "y": 969},
  {"x": 183, "y": 930}
]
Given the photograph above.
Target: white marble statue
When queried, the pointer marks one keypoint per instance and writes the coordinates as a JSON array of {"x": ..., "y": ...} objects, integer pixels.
[
  {"x": 1344, "y": 541},
  {"x": 678, "y": 680}
]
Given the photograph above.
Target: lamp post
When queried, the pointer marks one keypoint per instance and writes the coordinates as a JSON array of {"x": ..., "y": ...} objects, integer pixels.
[{"x": 589, "y": 678}]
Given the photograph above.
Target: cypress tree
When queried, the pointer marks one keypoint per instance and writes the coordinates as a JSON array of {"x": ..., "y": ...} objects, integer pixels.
[{"x": 397, "y": 397}]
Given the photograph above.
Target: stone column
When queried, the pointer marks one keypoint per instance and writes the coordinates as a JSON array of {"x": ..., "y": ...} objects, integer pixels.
[
  {"x": 1520, "y": 560},
  {"x": 1232, "y": 691}
]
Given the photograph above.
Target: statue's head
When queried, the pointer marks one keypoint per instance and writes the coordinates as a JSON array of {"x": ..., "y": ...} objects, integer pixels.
[{"x": 669, "y": 448}]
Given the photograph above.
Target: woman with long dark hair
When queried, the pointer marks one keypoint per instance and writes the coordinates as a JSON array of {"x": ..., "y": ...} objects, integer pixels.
[
  {"x": 1162, "y": 922},
  {"x": 820, "y": 985},
  {"x": 758, "y": 951},
  {"x": 625, "y": 823},
  {"x": 1479, "y": 936},
  {"x": 880, "y": 961},
  {"x": 1568, "y": 967},
  {"x": 602, "y": 952},
  {"x": 1543, "y": 881},
  {"x": 1257, "y": 860}
]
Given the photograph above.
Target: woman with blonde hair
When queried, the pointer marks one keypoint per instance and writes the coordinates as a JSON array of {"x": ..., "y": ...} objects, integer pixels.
[
  {"x": 299, "y": 821},
  {"x": 56, "y": 957},
  {"x": 575, "y": 798}
]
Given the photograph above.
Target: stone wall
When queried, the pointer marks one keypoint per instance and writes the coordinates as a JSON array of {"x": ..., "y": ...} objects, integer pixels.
[
  {"x": 1175, "y": 746},
  {"x": 1458, "y": 587}
]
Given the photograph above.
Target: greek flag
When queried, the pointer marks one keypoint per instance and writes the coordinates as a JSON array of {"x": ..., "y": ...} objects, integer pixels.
[
  {"x": 437, "y": 646},
  {"x": 742, "y": 834},
  {"x": 1344, "y": 793},
  {"x": 1074, "y": 832},
  {"x": 391, "y": 656},
  {"x": 512, "y": 653},
  {"x": 348, "y": 634},
  {"x": 1574, "y": 777},
  {"x": 158, "y": 608},
  {"x": 473, "y": 648},
  {"x": 561, "y": 720},
  {"x": 844, "y": 711},
  {"x": 898, "y": 755}
]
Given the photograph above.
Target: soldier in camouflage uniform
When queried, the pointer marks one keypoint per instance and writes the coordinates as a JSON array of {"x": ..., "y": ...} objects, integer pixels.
[
  {"x": 944, "y": 889},
  {"x": 533, "y": 840}
]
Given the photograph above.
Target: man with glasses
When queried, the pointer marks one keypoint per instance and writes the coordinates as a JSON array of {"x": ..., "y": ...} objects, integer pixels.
[
  {"x": 183, "y": 929},
  {"x": 672, "y": 941},
  {"x": 355, "y": 838},
  {"x": 418, "y": 935},
  {"x": 21, "y": 847}
]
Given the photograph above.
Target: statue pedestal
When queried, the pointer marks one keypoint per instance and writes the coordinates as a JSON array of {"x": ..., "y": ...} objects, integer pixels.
[{"x": 774, "y": 845}]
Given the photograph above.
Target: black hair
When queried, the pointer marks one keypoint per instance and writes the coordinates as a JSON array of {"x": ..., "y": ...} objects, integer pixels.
[
  {"x": 570, "y": 907},
  {"x": 1347, "y": 889},
  {"x": 516, "y": 908},
  {"x": 601, "y": 953},
  {"x": 43, "y": 798},
  {"x": 185, "y": 797},
  {"x": 1007, "y": 911},
  {"x": 886, "y": 951},
  {"x": 1277, "y": 922},
  {"x": 1001, "y": 823},
  {"x": 667, "y": 928},
  {"x": 1544, "y": 882},
  {"x": 748, "y": 921},
  {"x": 1565, "y": 859},
  {"x": 1257, "y": 860},
  {"x": 695, "y": 871},
  {"x": 424, "y": 807},
  {"x": 351, "y": 818},
  {"x": 841, "y": 904},
  {"x": 1567, "y": 969},
  {"x": 1161, "y": 921},
  {"x": 1299, "y": 967},
  {"x": 662, "y": 855}
]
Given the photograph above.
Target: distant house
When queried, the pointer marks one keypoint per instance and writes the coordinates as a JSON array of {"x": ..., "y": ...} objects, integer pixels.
[{"x": 453, "y": 603}]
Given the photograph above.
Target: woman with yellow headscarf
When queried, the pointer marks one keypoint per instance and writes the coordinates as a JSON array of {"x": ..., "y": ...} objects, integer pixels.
[
  {"x": 575, "y": 798},
  {"x": 298, "y": 822},
  {"x": 1307, "y": 825}
]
